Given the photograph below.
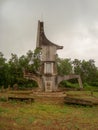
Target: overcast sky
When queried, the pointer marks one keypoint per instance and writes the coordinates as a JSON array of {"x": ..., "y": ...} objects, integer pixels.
[{"x": 70, "y": 23}]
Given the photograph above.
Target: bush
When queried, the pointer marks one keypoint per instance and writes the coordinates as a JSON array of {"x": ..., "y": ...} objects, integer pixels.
[
  {"x": 94, "y": 84},
  {"x": 68, "y": 84}
]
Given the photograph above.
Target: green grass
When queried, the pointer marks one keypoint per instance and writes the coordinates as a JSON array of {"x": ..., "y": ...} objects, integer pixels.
[
  {"x": 2, "y": 110},
  {"x": 40, "y": 116},
  {"x": 82, "y": 93}
]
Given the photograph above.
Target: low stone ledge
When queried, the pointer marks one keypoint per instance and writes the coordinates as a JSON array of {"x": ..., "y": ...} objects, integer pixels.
[{"x": 70, "y": 100}]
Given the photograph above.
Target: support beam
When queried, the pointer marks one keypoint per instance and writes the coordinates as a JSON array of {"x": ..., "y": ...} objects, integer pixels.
[{"x": 68, "y": 77}]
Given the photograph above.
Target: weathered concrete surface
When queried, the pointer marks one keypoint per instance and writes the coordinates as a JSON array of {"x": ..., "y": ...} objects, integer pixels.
[
  {"x": 48, "y": 80},
  {"x": 68, "y": 77}
]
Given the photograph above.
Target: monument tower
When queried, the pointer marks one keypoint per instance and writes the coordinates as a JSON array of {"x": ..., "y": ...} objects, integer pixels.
[
  {"x": 48, "y": 59},
  {"x": 48, "y": 79}
]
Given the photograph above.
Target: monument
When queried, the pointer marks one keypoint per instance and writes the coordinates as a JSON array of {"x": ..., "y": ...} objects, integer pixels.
[{"x": 48, "y": 78}]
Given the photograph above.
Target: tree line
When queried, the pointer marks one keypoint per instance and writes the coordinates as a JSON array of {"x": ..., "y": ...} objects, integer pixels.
[{"x": 11, "y": 71}]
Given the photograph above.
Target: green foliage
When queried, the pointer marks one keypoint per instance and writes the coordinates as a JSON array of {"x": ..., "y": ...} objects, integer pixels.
[
  {"x": 3, "y": 70},
  {"x": 33, "y": 59},
  {"x": 86, "y": 69},
  {"x": 24, "y": 83},
  {"x": 64, "y": 66},
  {"x": 69, "y": 84},
  {"x": 11, "y": 72},
  {"x": 89, "y": 87},
  {"x": 94, "y": 84}
]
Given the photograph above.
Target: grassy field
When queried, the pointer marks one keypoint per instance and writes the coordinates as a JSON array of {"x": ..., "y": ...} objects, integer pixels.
[
  {"x": 41, "y": 116},
  {"x": 37, "y": 116},
  {"x": 83, "y": 93}
]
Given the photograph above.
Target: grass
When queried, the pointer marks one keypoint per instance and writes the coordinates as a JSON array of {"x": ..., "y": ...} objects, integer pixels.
[
  {"x": 38, "y": 116},
  {"x": 82, "y": 93},
  {"x": 15, "y": 115}
]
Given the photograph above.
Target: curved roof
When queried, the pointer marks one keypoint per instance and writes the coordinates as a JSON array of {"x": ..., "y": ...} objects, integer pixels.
[{"x": 42, "y": 39}]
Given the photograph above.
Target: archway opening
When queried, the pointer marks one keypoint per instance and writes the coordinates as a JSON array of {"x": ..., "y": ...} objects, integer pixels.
[
  {"x": 28, "y": 84},
  {"x": 69, "y": 84}
]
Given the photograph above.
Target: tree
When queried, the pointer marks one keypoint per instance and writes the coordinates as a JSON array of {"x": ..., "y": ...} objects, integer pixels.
[
  {"x": 33, "y": 60},
  {"x": 77, "y": 66},
  {"x": 11, "y": 72},
  {"x": 3, "y": 70},
  {"x": 13, "y": 68},
  {"x": 86, "y": 69},
  {"x": 90, "y": 71},
  {"x": 64, "y": 66}
]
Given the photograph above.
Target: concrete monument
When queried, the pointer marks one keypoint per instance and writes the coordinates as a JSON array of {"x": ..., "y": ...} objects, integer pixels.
[{"x": 48, "y": 79}]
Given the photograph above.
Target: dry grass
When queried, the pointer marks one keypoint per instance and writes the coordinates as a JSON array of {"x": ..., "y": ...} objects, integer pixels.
[
  {"x": 37, "y": 116},
  {"x": 40, "y": 116}
]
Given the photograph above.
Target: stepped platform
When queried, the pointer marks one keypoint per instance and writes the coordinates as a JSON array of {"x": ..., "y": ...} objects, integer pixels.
[
  {"x": 52, "y": 98},
  {"x": 43, "y": 97}
]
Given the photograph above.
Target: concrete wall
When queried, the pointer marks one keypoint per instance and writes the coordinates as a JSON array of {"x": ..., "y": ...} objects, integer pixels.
[{"x": 48, "y": 53}]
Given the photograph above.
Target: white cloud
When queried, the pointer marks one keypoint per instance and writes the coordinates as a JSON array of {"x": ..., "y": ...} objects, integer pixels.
[{"x": 73, "y": 24}]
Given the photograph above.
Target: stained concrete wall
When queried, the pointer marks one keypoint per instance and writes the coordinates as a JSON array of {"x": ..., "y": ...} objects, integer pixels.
[{"x": 48, "y": 53}]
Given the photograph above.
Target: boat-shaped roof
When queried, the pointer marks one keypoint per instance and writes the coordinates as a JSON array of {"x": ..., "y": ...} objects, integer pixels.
[{"x": 42, "y": 39}]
